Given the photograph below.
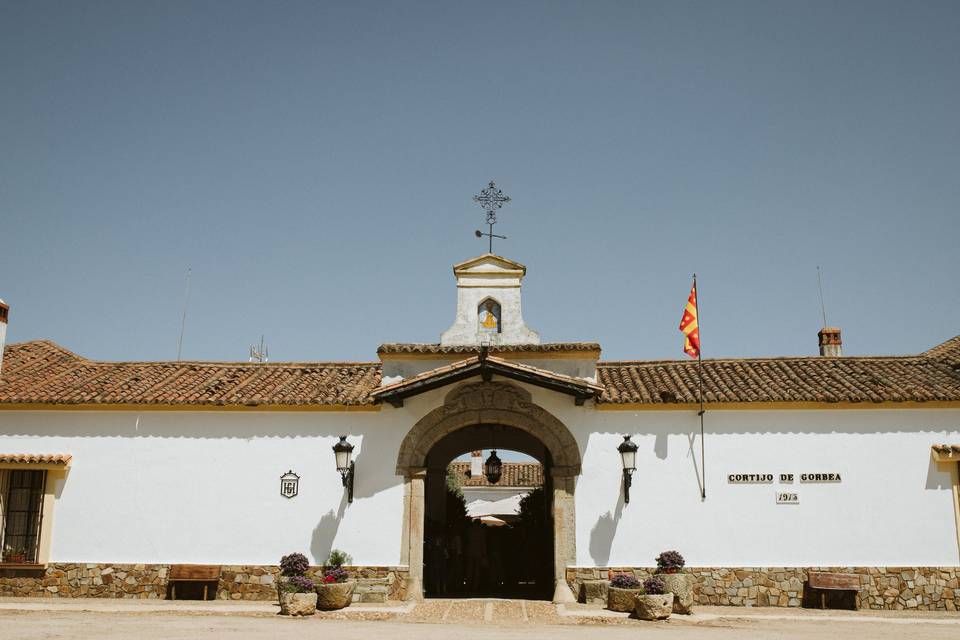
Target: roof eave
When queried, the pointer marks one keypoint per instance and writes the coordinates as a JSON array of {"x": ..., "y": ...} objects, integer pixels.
[{"x": 486, "y": 369}]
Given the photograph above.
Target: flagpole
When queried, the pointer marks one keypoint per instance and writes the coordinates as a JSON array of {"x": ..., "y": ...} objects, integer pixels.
[{"x": 703, "y": 467}]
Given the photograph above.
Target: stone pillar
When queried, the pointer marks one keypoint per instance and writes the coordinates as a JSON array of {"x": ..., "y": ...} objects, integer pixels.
[
  {"x": 564, "y": 535},
  {"x": 413, "y": 506}
]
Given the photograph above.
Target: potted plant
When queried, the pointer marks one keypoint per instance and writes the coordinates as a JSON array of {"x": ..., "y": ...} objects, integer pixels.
[
  {"x": 624, "y": 587},
  {"x": 669, "y": 567},
  {"x": 291, "y": 566},
  {"x": 654, "y": 602},
  {"x": 298, "y": 597},
  {"x": 335, "y": 591},
  {"x": 14, "y": 555}
]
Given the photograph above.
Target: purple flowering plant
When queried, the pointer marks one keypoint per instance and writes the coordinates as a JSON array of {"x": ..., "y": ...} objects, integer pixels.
[
  {"x": 295, "y": 564},
  {"x": 299, "y": 584},
  {"x": 625, "y": 581},
  {"x": 654, "y": 586},
  {"x": 670, "y": 562}
]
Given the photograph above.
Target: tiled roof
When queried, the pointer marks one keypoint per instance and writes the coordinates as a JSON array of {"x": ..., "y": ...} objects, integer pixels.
[
  {"x": 948, "y": 351},
  {"x": 42, "y": 372},
  {"x": 391, "y": 348},
  {"x": 35, "y": 458},
  {"x": 513, "y": 474},
  {"x": 445, "y": 374},
  {"x": 810, "y": 379}
]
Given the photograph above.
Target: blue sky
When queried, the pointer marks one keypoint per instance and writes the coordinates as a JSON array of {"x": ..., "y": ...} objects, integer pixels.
[{"x": 313, "y": 164}]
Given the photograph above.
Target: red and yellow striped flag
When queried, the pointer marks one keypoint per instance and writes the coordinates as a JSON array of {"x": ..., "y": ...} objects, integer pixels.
[{"x": 689, "y": 325}]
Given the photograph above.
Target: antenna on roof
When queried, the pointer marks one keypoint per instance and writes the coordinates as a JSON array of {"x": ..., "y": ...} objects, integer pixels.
[
  {"x": 259, "y": 354},
  {"x": 183, "y": 319},
  {"x": 823, "y": 307}
]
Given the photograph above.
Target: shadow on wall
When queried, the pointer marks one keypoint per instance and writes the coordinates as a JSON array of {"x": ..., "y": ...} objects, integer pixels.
[
  {"x": 603, "y": 532},
  {"x": 369, "y": 479},
  {"x": 938, "y": 476},
  {"x": 321, "y": 543},
  {"x": 660, "y": 446}
]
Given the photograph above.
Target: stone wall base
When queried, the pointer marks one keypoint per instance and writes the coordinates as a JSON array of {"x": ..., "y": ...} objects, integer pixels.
[
  {"x": 921, "y": 588},
  {"x": 149, "y": 581}
]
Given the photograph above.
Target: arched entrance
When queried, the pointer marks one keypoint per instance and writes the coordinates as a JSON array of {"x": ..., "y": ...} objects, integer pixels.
[
  {"x": 490, "y": 403},
  {"x": 485, "y": 539}
]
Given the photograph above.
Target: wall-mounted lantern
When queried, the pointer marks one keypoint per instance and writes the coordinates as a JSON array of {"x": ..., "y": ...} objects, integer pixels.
[
  {"x": 493, "y": 467},
  {"x": 289, "y": 484},
  {"x": 343, "y": 450},
  {"x": 628, "y": 456}
]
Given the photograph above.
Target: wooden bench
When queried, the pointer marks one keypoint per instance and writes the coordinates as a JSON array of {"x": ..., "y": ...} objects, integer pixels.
[
  {"x": 206, "y": 573},
  {"x": 822, "y": 584}
]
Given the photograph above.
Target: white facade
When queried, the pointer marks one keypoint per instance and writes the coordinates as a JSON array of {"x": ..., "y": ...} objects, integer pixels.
[{"x": 164, "y": 486}]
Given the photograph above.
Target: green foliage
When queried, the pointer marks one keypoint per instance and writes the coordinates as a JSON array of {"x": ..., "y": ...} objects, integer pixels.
[
  {"x": 456, "y": 507},
  {"x": 454, "y": 483},
  {"x": 338, "y": 559},
  {"x": 533, "y": 514}
]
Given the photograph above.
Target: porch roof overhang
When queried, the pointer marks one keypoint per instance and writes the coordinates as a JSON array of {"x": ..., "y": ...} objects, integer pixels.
[
  {"x": 486, "y": 367},
  {"x": 946, "y": 452},
  {"x": 45, "y": 461}
]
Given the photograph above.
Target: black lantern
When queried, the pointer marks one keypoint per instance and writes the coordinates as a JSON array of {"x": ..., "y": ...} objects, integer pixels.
[
  {"x": 493, "y": 467},
  {"x": 628, "y": 456},
  {"x": 343, "y": 451}
]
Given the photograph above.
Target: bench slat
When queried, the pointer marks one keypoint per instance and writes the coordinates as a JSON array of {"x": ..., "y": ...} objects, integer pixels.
[
  {"x": 840, "y": 581},
  {"x": 194, "y": 572}
]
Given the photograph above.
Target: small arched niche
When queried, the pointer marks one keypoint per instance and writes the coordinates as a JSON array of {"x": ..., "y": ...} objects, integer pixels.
[{"x": 488, "y": 317}]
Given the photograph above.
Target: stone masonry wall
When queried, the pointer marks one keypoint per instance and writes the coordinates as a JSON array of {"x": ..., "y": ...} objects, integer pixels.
[
  {"x": 921, "y": 588},
  {"x": 149, "y": 581}
]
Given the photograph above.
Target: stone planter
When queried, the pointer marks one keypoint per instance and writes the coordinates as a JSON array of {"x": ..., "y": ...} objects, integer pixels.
[
  {"x": 623, "y": 600},
  {"x": 298, "y": 604},
  {"x": 681, "y": 585},
  {"x": 335, "y": 595},
  {"x": 653, "y": 607}
]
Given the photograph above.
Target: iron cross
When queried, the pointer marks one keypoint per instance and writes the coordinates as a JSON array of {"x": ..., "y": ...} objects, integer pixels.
[{"x": 491, "y": 199}]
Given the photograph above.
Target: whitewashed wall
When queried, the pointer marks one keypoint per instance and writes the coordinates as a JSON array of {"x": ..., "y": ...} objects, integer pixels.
[
  {"x": 204, "y": 487},
  {"x": 893, "y": 507}
]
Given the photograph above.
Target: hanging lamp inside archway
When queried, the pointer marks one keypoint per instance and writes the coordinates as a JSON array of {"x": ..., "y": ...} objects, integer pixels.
[{"x": 493, "y": 467}]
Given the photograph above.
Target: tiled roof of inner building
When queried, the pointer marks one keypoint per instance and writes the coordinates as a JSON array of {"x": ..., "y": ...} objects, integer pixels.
[
  {"x": 42, "y": 372},
  {"x": 391, "y": 348},
  {"x": 799, "y": 379},
  {"x": 512, "y": 474}
]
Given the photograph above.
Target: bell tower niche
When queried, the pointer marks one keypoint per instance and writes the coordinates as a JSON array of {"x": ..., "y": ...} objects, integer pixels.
[{"x": 488, "y": 304}]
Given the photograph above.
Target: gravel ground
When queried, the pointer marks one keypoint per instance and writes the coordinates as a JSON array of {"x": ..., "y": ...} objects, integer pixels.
[{"x": 451, "y": 620}]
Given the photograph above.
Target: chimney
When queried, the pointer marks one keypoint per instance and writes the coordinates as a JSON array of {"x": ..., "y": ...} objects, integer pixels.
[
  {"x": 476, "y": 464},
  {"x": 4, "y": 314},
  {"x": 830, "y": 343}
]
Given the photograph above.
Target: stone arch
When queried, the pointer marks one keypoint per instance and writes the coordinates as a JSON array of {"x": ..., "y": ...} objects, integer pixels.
[{"x": 490, "y": 403}]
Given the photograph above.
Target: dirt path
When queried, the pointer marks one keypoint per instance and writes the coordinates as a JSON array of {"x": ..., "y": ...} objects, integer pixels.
[{"x": 478, "y": 619}]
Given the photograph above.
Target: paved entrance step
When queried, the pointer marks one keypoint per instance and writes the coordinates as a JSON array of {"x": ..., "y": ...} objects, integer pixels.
[
  {"x": 371, "y": 590},
  {"x": 484, "y": 611}
]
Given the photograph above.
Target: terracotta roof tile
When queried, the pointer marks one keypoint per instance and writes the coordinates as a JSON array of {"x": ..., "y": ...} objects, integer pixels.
[
  {"x": 549, "y": 347},
  {"x": 948, "y": 351},
  {"x": 806, "y": 379},
  {"x": 35, "y": 458},
  {"x": 513, "y": 474},
  {"x": 42, "y": 372}
]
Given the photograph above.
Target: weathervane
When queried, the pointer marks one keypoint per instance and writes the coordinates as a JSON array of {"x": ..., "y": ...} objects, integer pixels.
[{"x": 491, "y": 199}]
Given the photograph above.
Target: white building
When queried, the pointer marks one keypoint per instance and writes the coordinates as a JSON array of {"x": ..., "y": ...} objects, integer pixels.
[{"x": 113, "y": 471}]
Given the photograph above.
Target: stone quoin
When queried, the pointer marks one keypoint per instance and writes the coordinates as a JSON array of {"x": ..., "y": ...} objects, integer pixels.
[{"x": 198, "y": 462}]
